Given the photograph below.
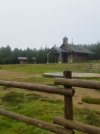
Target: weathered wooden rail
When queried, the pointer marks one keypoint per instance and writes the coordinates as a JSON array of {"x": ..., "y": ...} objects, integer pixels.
[
  {"x": 37, "y": 87},
  {"x": 35, "y": 122},
  {"x": 63, "y": 125},
  {"x": 76, "y": 125},
  {"x": 78, "y": 83}
]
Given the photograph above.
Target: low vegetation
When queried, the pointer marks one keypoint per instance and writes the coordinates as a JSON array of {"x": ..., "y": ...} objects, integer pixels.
[
  {"x": 91, "y": 100},
  {"x": 37, "y": 105}
]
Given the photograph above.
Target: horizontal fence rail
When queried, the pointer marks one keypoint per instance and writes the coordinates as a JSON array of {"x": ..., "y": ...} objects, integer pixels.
[
  {"x": 78, "y": 83},
  {"x": 76, "y": 125},
  {"x": 37, "y": 87},
  {"x": 35, "y": 122}
]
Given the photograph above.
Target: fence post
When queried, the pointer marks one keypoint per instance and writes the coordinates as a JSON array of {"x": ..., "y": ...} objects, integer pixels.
[{"x": 68, "y": 102}]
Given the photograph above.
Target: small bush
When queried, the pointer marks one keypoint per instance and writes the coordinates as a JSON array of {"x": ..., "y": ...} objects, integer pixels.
[
  {"x": 13, "y": 98},
  {"x": 91, "y": 100}
]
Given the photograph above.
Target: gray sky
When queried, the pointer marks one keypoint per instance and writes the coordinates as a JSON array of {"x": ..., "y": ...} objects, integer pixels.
[{"x": 40, "y": 23}]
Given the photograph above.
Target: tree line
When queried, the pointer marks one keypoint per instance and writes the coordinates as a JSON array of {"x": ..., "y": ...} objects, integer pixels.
[
  {"x": 94, "y": 48},
  {"x": 9, "y": 56}
]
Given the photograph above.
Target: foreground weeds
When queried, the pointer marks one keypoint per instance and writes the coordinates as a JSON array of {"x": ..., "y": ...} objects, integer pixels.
[{"x": 36, "y": 106}]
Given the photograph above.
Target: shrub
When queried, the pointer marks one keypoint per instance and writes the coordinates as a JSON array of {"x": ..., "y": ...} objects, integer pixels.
[
  {"x": 91, "y": 100},
  {"x": 13, "y": 98}
]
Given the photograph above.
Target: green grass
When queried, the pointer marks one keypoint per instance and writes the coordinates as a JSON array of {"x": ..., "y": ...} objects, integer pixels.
[
  {"x": 31, "y": 105},
  {"x": 90, "y": 100},
  {"x": 40, "y": 68},
  {"x": 36, "y": 105}
]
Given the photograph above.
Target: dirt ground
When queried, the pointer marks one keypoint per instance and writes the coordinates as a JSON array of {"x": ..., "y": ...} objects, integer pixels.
[
  {"x": 82, "y": 92},
  {"x": 79, "y": 92}
]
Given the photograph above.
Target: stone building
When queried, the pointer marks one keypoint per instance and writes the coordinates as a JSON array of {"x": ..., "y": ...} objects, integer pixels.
[{"x": 68, "y": 53}]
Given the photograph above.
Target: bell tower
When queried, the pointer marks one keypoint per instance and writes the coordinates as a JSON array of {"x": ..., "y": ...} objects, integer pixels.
[{"x": 65, "y": 41}]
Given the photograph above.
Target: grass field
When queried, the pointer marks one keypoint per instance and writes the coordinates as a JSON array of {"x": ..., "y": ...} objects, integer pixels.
[{"x": 41, "y": 105}]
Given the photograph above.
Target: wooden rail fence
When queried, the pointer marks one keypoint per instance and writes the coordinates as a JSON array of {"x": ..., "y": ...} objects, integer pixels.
[{"x": 64, "y": 125}]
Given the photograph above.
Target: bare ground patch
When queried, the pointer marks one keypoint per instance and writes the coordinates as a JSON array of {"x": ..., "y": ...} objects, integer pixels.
[
  {"x": 12, "y": 75},
  {"x": 77, "y": 99},
  {"x": 79, "y": 92}
]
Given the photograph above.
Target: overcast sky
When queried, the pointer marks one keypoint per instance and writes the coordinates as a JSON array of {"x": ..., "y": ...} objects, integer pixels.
[{"x": 40, "y": 23}]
